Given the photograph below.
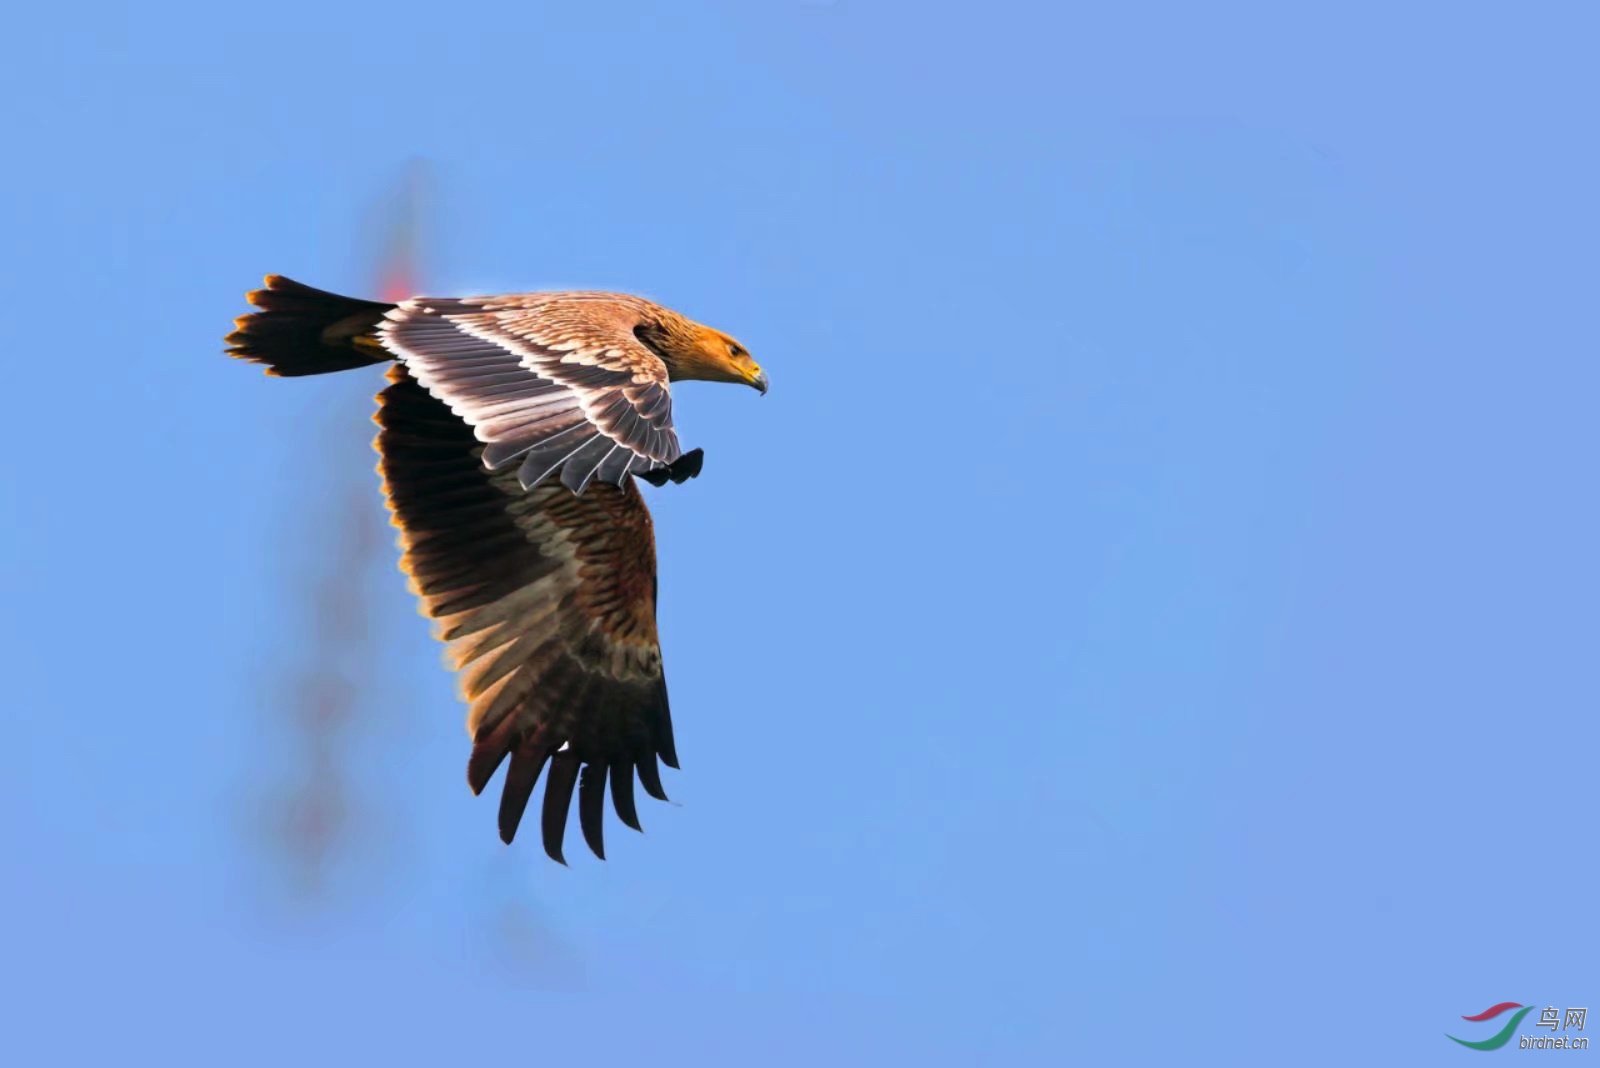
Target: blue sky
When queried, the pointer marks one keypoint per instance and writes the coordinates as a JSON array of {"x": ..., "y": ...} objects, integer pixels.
[{"x": 1151, "y": 619}]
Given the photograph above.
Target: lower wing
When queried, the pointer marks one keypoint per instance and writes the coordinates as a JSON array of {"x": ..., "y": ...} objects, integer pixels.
[{"x": 546, "y": 600}]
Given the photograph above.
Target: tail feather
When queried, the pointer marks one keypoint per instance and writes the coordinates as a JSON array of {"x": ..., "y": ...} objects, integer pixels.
[{"x": 305, "y": 331}]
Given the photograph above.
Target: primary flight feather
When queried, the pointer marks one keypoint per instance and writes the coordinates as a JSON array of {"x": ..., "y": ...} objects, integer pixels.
[{"x": 510, "y": 432}]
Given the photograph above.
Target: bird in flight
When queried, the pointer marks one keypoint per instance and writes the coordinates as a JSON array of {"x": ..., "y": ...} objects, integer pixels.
[{"x": 509, "y": 436}]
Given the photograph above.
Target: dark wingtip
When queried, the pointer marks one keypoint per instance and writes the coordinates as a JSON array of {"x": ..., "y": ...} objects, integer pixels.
[
  {"x": 591, "y": 807},
  {"x": 650, "y": 778},
  {"x": 558, "y": 802},
  {"x": 481, "y": 767},
  {"x": 523, "y": 775},
  {"x": 665, "y": 746},
  {"x": 489, "y": 749},
  {"x": 622, "y": 795}
]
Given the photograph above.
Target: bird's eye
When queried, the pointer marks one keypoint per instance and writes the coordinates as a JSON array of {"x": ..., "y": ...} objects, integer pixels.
[{"x": 735, "y": 350}]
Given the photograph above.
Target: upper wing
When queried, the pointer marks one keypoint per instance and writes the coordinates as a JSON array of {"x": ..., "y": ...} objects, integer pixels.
[
  {"x": 556, "y": 380},
  {"x": 547, "y": 601}
]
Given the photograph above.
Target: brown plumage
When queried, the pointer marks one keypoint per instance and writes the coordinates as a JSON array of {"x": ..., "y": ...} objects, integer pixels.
[{"x": 543, "y": 588}]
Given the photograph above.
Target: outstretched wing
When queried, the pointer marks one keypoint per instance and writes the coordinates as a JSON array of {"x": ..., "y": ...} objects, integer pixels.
[
  {"x": 555, "y": 381},
  {"x": 547, "y": 602}
]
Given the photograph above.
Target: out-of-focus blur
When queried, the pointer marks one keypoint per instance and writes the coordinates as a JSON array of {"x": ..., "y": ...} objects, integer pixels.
[
  {"x": 333, "y": 837},
  {"x": 1150, "y": 615},
  {"x": 326, "y": 706}
]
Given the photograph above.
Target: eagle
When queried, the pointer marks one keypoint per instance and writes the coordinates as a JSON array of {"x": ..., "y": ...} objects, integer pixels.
[{"x": 510, "y": 434}]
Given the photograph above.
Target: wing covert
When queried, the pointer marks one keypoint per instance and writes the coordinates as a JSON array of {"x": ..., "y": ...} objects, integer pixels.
[{"x": 557, "y": 382}]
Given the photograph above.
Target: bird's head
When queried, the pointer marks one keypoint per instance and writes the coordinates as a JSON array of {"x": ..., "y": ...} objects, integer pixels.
[{"x": 695, "y": 352}]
